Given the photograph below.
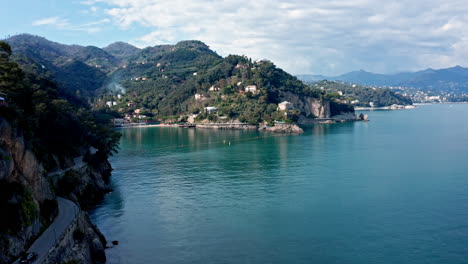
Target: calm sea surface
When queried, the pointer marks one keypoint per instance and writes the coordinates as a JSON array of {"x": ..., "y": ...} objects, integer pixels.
[{"x": 392, "y": 190}]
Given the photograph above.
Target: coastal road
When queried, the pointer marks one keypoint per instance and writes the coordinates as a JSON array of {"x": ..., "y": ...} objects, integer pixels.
[
  {"x": 78, "y": 164},
  {"x": 68, "y": 211}
]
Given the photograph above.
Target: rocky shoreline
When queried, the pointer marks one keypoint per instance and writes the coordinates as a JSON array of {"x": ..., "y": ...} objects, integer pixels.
[
  {"x": 282, "y": 128},
  {"x": 233, "y": 126}
]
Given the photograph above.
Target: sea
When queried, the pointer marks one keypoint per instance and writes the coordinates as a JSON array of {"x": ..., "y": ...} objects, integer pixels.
[{"x": 391, "y": 190}]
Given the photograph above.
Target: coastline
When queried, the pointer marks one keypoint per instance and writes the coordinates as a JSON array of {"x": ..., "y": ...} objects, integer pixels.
[
  {"x": 386, "y": 108},
  {"x": 131, "y": 125},
  {"x": 245, "y": 126}
]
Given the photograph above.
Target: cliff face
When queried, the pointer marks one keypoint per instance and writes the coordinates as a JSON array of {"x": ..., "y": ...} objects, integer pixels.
[
  {"x": 28, "y": 193},
  {"x": 25, "y": 192},
  {"x": 20, "y": 165},
  {"x": 83, "y": 183},
  {"x": 310, "y": 106}
]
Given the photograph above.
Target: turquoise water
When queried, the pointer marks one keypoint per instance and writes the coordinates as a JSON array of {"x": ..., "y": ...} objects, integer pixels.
[{"x": 392, "y": 190}]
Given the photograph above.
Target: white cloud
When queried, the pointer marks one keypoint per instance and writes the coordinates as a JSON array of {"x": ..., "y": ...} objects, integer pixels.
[
  {"x": 54, "y": 21},
  {"x": 320, "y": 36},
  {"x": 64, "y": 24}
]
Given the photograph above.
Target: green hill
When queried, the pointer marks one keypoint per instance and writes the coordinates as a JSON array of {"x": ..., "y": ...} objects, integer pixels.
[
  {"x": 164, "y": 80},
  {"x": 360, "y": 95}
]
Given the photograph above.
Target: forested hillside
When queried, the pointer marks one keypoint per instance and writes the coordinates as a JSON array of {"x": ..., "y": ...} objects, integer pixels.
[
  {"x": 172, "y": 81},
  {"x": 450, "y": 80},
  {"x": 360, "y": 95}
]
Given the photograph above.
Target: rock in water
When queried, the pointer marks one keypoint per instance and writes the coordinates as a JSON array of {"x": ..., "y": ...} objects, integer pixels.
[{"x": 282, "y": 128}]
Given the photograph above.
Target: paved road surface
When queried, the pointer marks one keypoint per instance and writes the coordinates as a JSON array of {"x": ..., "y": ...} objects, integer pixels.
[{"x": 68, "y": 210}]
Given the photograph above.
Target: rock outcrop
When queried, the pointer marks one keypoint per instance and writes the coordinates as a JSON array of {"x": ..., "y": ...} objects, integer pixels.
[
  {"x": 23, "y": 175},
  {"x": 310, "y": 106},
  {"x": 282, "y": 128},
  {"x": 20, "y": 165}
]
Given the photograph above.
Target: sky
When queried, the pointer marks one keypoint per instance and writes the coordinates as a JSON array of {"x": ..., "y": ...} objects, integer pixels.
[{"x": 327, "y": 37}]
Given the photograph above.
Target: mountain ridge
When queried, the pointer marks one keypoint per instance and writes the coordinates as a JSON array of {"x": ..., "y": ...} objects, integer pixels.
[{"x": 452, "y": 79}]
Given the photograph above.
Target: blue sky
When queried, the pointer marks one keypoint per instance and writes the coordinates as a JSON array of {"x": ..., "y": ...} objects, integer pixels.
[{"x": 303, "y": 37}]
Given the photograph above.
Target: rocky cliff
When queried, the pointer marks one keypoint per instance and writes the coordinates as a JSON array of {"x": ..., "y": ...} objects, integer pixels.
[
  {"x": 24, "y": 192},
  {"x": 310, "y": 106},
  {"x": 28, "y": 193}
]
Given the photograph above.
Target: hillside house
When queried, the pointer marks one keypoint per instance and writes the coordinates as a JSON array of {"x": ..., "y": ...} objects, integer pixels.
[
  {"x": 199, "y": 97},
  {"x": 251, "y": 88},
  {"x": 213, "y": 88},
  {"x": 211, "y": 109},
  {"x": 285, "y": 106}
]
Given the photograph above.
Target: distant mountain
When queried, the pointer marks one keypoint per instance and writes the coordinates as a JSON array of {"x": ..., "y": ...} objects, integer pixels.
[
  {"x": 311, "y": 78},
  {"x": 76, "y": 68},
  {"x": 122, "y": 50},
  {"x": 453, "y": 79}
]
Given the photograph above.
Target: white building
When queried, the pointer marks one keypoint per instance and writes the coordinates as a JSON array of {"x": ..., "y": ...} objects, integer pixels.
[
  {"x": 199, "y": 97},
  {"x": 211, "y": 109},
  {"x": 251, "y": 88},
  {"x": 285, "y": 106},
  {"x": 213, "y": 88}
]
